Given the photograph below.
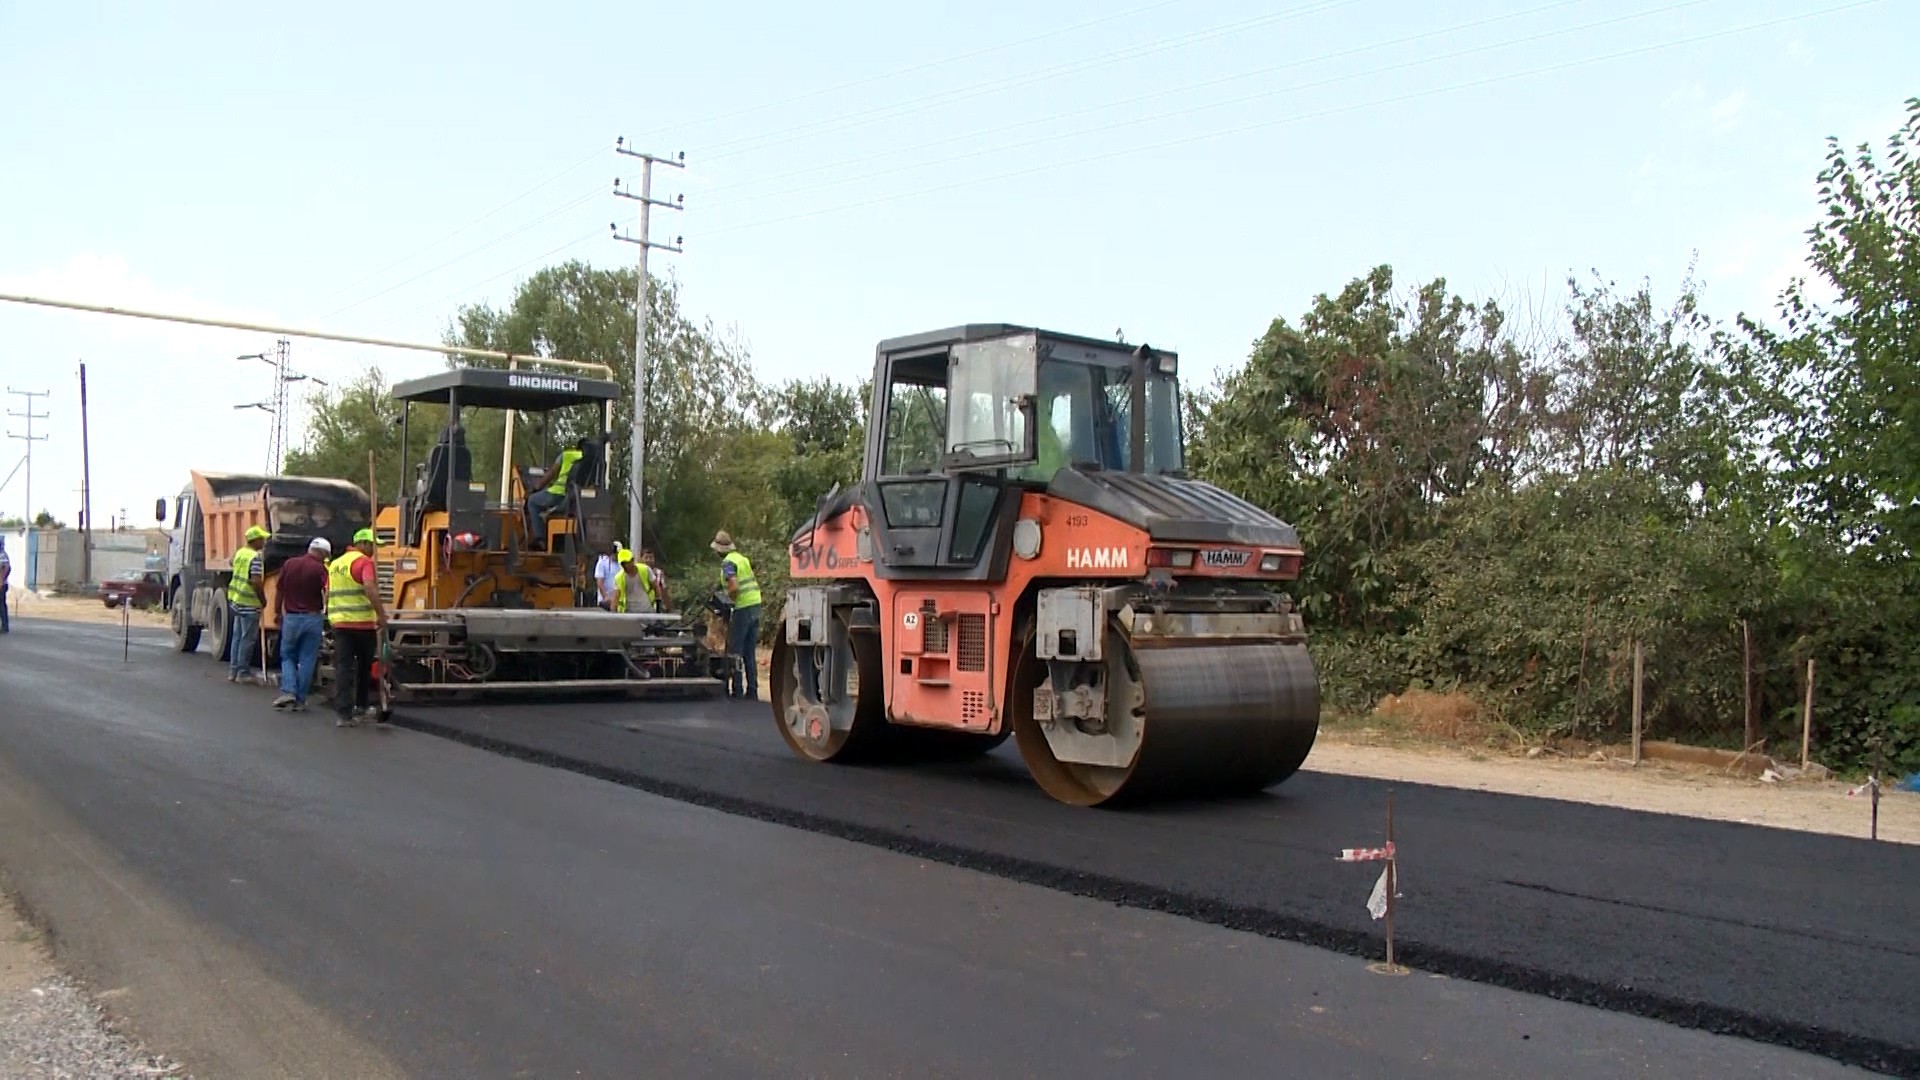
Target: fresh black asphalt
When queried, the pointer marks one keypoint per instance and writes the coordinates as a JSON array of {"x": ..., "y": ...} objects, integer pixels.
[
  {"x": 445, "y": 912},
  {"x": 1804, "y": 940}
]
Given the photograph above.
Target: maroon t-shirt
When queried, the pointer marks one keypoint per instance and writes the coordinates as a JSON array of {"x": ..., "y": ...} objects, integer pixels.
[{"x": 303, "y": 586}]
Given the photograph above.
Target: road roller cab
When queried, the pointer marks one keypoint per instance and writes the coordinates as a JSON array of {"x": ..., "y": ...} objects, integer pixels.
[{"x": 1026, "y": 556}]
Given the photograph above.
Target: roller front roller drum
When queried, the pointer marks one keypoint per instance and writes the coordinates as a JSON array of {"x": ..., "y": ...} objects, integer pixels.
[{"x": 1209, "y": 720}]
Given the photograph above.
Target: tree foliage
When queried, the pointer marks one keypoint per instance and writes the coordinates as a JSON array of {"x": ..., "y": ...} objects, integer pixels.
[{"x": 1510, "y": 513}]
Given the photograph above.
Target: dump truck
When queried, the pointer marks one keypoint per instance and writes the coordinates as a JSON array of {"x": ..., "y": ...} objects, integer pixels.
[
  {"x": 1026, "y": 556},
  {"x": 488, "y": 596},
  {"x": 208, "y": 523}
]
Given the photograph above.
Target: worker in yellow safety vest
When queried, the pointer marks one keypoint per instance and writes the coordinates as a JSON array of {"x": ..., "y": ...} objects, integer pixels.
[
  {"x": 542, "y": 504},
  {"x": 743, "y": 630},
  {"x": 243, "y": 607},
  {"x": 625, "y": 599},
  {"x": 356, "y": 615}
]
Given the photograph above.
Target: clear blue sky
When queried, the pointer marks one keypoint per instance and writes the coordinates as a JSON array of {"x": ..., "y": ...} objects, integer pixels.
[{"x": 1183, "y": 170}]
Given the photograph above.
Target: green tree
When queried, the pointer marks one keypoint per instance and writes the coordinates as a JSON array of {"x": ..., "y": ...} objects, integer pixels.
[
  {"x": 360, "y": 418},
  {"x": 702, "y": 467},
  {"x": 1837, "y": 388},
  {"x": 1832, "y": 404},
  {"x": 1362, "y": 425},
  {"x": 823, "y": 422}
]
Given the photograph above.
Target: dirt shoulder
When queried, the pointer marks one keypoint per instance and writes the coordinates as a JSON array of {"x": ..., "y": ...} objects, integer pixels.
[
  {"x": 49, "y": 1026},
  {"x": 1656, "y": 787},
  {"x": 27, "y": 606}
]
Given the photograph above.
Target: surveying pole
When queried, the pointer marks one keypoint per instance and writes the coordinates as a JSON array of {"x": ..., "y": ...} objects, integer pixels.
[
  {"x": 26, "y": 413},
  {"x": 643, "y": 305}
]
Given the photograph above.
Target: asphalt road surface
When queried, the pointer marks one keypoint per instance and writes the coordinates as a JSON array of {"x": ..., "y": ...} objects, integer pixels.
[
  {"x": 266, "y": 895},
  {"x": 1800, "y": 939}
]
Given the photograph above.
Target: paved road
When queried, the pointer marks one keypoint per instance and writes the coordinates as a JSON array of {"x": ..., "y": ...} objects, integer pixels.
[
  {"x": 1765, "y": 933},
  {"x": 266, "y": 895}
]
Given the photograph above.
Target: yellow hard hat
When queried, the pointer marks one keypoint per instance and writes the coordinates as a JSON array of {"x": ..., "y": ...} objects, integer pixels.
[
  {"x": 365, "y": 536},
  {"x": 255, "y": 532},
  {"x": 624, "y": 556}
]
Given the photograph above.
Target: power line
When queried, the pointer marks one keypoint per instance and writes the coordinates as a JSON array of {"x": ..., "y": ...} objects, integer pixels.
[
  {"x": 1297, "y": 117},
  {"x": 720, "y": 151},
  {"x": 1001, "y": 149},
  {"x": 29, "y": 438},
  {"x": 900, "y": 109},
  {"x": 912, "y": 70},
  {"x": 1046, "y": 73},
  {"x": 821, "y": 92},
  {"x": 496, "y": 241},
  {"x": 421, "y": 251},
  {"x": 466, "y": 289},
  {"x": 1156, "y": 95}
]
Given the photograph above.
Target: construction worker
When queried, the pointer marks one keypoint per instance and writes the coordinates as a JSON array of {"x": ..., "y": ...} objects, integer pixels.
[
  {"x": 300, "y": 607},
  {"x": 357, "y": 617},
  {"x": 633, "y": 586},
  {"x": 743, "y": 630},
  {"x": 661, "y": 601},
  {"x": 6, "y": 572},
  {"x": 243, "y": 607},
  {"x": 541, "y": 504},
  {"x": 605, "y": 569}
]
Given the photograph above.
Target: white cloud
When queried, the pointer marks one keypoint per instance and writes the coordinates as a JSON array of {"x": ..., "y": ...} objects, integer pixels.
[
  {"x": 1725, "y": 113},
  {"x": 1688, "y": 95}
]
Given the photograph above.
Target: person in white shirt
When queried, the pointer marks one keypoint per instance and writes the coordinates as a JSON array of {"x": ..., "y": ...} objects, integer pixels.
[{"x": 604, "y": 572}]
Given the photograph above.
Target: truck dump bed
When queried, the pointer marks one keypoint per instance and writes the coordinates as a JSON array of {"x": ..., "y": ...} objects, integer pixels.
[{"x": 295, "y": 509}]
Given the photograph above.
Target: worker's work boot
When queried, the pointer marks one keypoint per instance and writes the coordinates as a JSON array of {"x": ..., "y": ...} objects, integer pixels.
[{"x": 284, "y": 702}]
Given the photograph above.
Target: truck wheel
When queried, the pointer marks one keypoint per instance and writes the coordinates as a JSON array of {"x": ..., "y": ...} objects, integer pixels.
[
  {"x": 218, "y": 628},
  {"x": 186, "y": 636}
]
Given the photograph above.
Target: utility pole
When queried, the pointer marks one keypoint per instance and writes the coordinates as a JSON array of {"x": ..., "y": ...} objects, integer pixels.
[
  {"x": 29, "y": 438},
  {"x": 86, "y": 487},
  {"x": 643, "y": 304},
  {"x": 276, "y": 403}
]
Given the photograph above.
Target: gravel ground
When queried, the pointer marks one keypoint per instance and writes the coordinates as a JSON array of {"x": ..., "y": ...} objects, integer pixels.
[{"x": 50, "y": 1029}]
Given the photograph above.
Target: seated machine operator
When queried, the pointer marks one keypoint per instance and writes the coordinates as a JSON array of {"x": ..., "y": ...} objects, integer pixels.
[{"x": 542, "y": 504}]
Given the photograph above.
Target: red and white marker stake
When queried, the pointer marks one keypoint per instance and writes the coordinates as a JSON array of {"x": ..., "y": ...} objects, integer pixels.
[{"x": 1380, "y": 904}]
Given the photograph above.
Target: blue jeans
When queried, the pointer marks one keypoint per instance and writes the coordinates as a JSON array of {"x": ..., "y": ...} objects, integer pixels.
[
  {"x": 243, "y": 637},
  {"x": 299, "y": 653},
  {"x": 743, "y": 640}
]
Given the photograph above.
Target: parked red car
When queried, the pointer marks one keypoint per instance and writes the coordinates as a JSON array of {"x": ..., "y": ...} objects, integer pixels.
[{"x": 143, "y": 588}]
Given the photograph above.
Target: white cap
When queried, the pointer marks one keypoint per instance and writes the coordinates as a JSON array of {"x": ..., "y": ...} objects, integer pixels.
[{"x": 319, "y": 543}]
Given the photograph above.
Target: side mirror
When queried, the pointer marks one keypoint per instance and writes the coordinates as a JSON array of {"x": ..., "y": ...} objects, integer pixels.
[{"x": 160, "y": 511}]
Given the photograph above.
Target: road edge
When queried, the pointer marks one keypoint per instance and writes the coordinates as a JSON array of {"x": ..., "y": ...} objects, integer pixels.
[
  {"x": 168, "y": 981},
  {"x": 1858, "y": 1051}
]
